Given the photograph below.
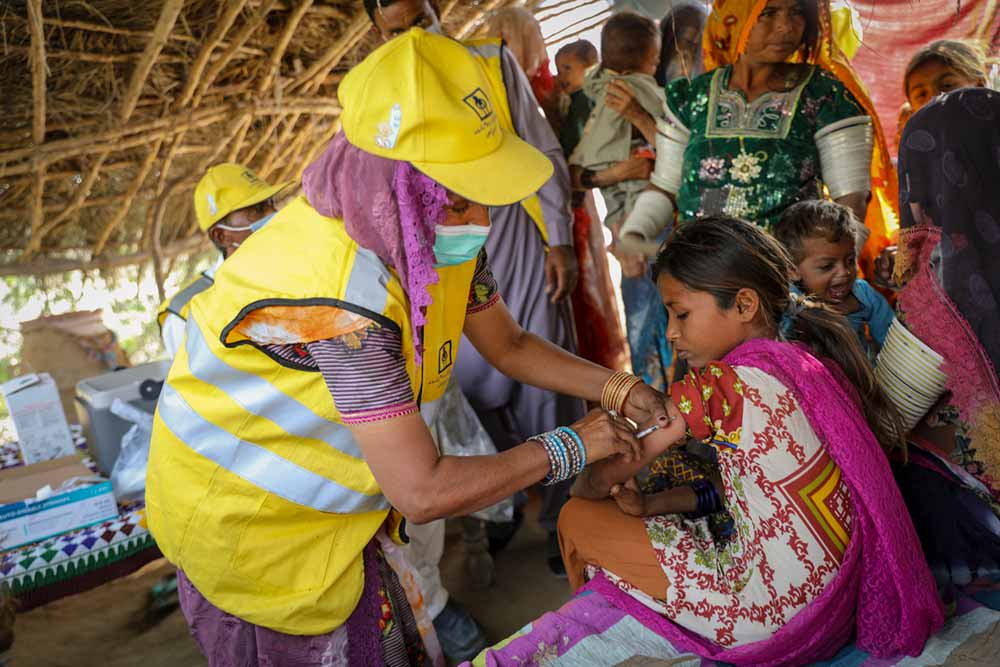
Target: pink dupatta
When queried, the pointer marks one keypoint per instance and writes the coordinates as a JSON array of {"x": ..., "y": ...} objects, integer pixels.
[{"x": 883, "y": 590}]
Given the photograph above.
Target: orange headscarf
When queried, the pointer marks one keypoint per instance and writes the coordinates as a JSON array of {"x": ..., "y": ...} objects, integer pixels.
[{"x": 726, "y": 34}]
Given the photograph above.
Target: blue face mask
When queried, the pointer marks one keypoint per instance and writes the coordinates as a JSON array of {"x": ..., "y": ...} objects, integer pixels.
[
  {"x": 252, "y": 227},
  {"x": 458, "y": 244},
  {"x": 255, "y": 226}
]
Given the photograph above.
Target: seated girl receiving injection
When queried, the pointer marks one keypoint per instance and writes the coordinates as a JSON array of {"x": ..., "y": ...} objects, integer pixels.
[{"x": 821, "y": 545}]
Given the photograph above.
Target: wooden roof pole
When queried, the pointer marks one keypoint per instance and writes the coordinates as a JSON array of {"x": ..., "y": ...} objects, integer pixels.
[
  {"x": 239, "y": 39},
  {"x": 333, "y": 53},
  {"x": 576, "y": 4},
  {"x": 450, "y": 5},
  {"x": 133, "y": 190},
  {"x": 161, "y": 33},
  {"x": 164, "y": 26},
  {"x": 287, "y": 156},
  {"x": 40, "y": 267},
  {"x": 124, "y": 32},
  {"x": 237, "y": 143},
  {"x": 487, "y": 7},
  {"x": 568, "y": 31},
  {"x": 279, "y": 50},
  {"x": 233, "y": 9},
  {"x": 139, "y": 134},
  {"x": 262, "y": 139},
  {"x": 349, "y": 43},
  {"x": 38, "y": 72},
  {"x": 285, "y": 136},
  {"x": 82, "y": 191}
]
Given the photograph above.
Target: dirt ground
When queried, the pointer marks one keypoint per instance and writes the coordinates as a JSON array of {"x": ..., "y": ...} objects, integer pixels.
[{"x": 108, "y": 626}]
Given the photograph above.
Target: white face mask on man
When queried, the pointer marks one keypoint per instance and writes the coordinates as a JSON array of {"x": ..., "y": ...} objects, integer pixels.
[{"x": 251, "y": 228}]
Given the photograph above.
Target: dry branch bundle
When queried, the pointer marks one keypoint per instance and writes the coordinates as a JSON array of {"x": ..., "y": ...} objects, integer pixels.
[{"x": 118, "y": 105}]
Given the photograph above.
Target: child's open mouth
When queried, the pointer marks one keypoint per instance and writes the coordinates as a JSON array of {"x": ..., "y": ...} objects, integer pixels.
[{"x": 838, "y": 293}]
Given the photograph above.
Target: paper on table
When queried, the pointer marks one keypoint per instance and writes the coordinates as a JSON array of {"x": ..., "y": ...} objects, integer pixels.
[{"x": 34, "y": 405}]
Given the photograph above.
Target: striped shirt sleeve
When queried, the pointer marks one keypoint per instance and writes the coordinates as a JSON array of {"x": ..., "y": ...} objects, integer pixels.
[
  {"x": 365, "y": 372},
  {"x": 367, "y": 379}
]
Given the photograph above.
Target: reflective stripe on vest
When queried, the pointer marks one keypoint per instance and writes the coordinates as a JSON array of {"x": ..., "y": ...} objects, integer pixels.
[
  {"x": 258, "y": 465},
  {"x": 178, "y": 304},
  {"x": 367, "y": 284},
  {"x": 487, "y": 52},
  {"x": 259, "y": 397}
]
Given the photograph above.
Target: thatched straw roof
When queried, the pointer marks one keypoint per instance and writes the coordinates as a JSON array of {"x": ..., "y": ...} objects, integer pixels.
[{"x": 110, "y": 110}]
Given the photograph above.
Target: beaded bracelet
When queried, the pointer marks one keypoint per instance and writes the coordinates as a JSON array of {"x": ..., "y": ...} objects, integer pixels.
[
  {"x": 554, "y": 449},
  {"x": 566, "y": 453},
  {"x": 616, "y": 391},
  {"x": 578, "y": 454},
  {"x": 579, "y": 444}
]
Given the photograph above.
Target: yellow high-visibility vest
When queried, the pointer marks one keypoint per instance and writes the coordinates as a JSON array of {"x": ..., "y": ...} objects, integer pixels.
[{"x": 255, "y": 488}]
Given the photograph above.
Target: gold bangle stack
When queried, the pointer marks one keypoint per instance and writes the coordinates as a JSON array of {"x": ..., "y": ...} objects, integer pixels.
[{"x": 616, "y": 391}]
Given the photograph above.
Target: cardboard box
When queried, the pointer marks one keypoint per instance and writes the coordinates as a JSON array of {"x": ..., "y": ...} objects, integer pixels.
[
  {"x": 24, "y": 520},
  {"x": 34, "y": 405}
]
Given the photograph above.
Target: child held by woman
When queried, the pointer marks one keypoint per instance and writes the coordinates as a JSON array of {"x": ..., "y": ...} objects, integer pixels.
[
  {"x": 821, "y": 237},
  {"x": 820, "y": 545},
  {"x": 599, "y": 337},
  {"x": 627, "y": 102},
  {"x": 573, "y": 61}
]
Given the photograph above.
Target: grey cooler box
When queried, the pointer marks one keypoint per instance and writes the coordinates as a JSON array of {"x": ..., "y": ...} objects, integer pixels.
[{"x": 94, "y": 397}]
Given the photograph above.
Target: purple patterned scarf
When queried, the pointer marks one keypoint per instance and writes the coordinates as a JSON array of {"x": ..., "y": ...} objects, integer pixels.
[
  {"x": 884, "y": 589},
  {"x": 389, "y": 208}
]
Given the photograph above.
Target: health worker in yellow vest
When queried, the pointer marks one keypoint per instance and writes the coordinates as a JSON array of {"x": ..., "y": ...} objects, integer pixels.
[
  {"x": 531, "y": 252},
  {"x": 290, "y": 439},
  {"x": 535, "y": 267},
  {"x": 230, "y": 203}
]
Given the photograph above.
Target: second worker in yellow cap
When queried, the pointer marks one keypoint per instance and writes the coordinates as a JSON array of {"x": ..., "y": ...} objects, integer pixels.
[
  {"x": 230, "y": 203},
  {"x": 290, "y": 443}
]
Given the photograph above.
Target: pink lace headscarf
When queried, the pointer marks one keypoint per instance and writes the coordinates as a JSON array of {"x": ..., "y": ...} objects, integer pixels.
[{"x": 389, "y": 208}]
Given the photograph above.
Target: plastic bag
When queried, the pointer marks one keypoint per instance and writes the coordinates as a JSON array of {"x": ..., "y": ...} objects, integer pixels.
[
  {"x": 128, "y": 477},
  {"x": 457, "y": 432}
]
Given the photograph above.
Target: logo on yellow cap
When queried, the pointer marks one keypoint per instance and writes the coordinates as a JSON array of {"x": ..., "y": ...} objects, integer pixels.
[
  {"x": 479, "y": 102},
  {"x": 388, "y": 132}
]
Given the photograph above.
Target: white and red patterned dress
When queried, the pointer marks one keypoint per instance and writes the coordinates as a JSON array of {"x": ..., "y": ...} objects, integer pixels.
[{"x": 792, "y": 512}]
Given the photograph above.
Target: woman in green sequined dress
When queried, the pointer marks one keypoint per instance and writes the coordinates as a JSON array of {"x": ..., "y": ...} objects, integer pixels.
[
  {"x": 753, "y": 160},
  {"x": 749, "y": 139}
]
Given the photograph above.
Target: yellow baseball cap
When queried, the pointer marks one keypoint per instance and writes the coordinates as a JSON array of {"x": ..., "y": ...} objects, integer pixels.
[
  {"x": 229, "y": 187},
  {"x": 423, "y": 99}
]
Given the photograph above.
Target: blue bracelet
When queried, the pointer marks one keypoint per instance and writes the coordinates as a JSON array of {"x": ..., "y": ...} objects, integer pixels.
[
  {"x": 708, "y": 500},
  {"x": 579, "y": 443}
]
